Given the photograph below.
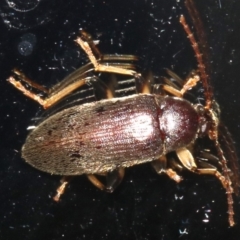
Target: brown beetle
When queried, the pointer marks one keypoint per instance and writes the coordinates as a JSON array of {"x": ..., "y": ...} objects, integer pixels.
[{"x": 106, "y": 136}]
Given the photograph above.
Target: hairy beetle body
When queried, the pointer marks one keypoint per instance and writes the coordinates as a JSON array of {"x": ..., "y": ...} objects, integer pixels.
[{"x": 102, "y": 136}]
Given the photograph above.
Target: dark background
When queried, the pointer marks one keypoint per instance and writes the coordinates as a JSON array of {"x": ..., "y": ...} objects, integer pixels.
[{"x": 38, "y": 38}]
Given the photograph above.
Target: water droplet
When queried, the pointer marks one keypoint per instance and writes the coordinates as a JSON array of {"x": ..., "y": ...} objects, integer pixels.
[
  {"x": 25, "y": 48},
  {"x": 27, "y": 44}
]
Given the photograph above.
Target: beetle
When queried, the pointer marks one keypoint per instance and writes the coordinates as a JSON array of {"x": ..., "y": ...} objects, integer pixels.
[{"x": 104, "y": 137}]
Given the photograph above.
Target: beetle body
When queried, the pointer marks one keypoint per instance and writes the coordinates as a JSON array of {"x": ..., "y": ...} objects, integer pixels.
[{"x": 101, "y": 136}]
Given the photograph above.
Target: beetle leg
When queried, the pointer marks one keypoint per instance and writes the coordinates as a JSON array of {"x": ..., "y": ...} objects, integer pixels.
[
  {"x": 178, "y": 89},
  {"x": 160, "y": 167},
  {"x": 106, "y": 63},
  {"x": 186, "y": 158},
  {"x": 176, "y": 78},
  {"x": 51, "y": 100},
  {"x": 25, "y": 91},
  {"x": 102, "y": 90},
  {"x": 117, "y": 58},
  {"x": 113, "y": 179},
  {"x": 86, "y": 37},
  {"x": 101, "y": 67},
  {"x": 172, "y": 90},
  {"x": 143, "y": 83},
  {"x": 60, "y": 190},
  {"x": 191, "y": 82},
  {"x": 31, "y": 83}
]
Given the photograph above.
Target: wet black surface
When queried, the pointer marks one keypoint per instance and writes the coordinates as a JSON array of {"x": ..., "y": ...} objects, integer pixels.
[{"x": 38, "y": 38}]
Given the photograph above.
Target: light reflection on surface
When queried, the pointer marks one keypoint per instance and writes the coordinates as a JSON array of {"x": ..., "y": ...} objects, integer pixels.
[{"x": 140, "y": 126}]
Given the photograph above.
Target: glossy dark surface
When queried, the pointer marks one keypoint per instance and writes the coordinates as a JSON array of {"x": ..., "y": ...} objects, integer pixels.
[{"x": 145, "y": 206}]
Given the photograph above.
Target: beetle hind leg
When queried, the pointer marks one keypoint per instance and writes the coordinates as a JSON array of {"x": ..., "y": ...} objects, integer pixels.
[
  {"x": 113, "y": 179},
  {"x": 50, "y": 100},
  {"x": 22, "y": 77},
  {"x": 61, "y": 189}
]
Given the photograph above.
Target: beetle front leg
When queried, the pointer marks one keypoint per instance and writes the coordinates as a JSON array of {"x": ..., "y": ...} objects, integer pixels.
[
  {"x": 160, "y": 167},
  {"x": 186, "y": 158},
  {"x": 191, "y": 82},
  {"x": 113, "y": 179},
  {"x": 179, "y": 89}
]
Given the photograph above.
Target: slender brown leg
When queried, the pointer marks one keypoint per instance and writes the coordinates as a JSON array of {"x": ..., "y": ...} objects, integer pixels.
[
  {"x": 178, "y": 89},
  {"x": 173, "y": 75},
  {"x": 33, "y": 84},
  {"x": 86, "y": 37},
  {"x": 187, "y": 161},
  {"x": 101, "y": 90},
  {"x": 74, "y": 80},
  {"x": 143, "y": 83},
  {"x": 61, "y": 189},
  {"x": 113, "y": 179},
  {"x": 172, "y": 90},
  {"x": 100, "y": 67},
  {"x": 212, "y": 171},
  {"x": 160, "y": 167},
  {"x": 190, "y": 83},
  {"x": 51, "y": 100},
  {"x": 186, "y": 158}
]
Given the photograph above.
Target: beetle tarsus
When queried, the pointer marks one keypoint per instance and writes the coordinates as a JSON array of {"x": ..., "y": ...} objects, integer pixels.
[{"x": 61, "y": 189}]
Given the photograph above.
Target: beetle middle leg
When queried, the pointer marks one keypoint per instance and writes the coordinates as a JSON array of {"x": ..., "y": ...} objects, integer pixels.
[
  {"x": 113, "y": 179},
  {"x": 101, "y": 67},
  {"x": 160, "y": 167}
]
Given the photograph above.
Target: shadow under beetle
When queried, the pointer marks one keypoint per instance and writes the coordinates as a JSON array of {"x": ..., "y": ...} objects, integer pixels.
[{"x": 104, "y": 137}]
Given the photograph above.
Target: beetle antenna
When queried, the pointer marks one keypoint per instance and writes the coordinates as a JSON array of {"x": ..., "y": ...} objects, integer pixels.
[
  {"x": 201, "y": 66},
  {"x": 208, "y": 93},
  {"x": 228, "y": 182},
  {"x": 200, "y": 33}
]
